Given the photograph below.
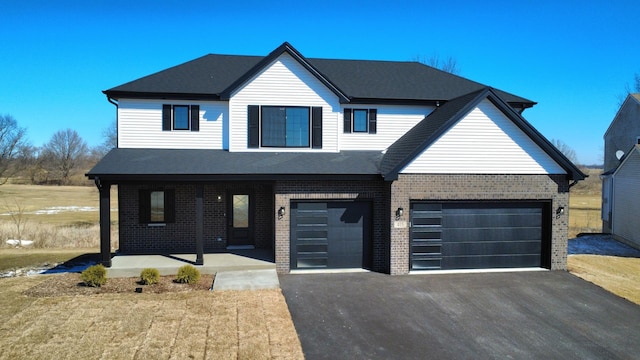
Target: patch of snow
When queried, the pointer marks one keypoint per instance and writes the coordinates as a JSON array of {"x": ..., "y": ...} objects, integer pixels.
[
  {"x": 601, "y": 245},
  {"x": 44, "y": 270},
  {"x": 13, "y": 242},
  {"x": 59, "y": 209}
]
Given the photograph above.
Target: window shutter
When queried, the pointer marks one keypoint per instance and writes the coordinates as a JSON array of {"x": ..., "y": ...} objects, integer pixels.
[
  {"x": 144, "y": 206},
  {"x": 169, "y": 206},
  {"x": 316, "y": 127},
  {"x": 373, "y": 121},
  {"x": 166, "y": 117},
  {"x": 195, "y": 117},
  {"x": 253, "y": 138},
  {"x": 347, "y": 121}
]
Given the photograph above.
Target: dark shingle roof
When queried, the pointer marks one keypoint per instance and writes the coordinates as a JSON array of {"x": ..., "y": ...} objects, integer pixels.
[
  {"x": 211, "y": 76},
  {"x": 195, "y": 163}
]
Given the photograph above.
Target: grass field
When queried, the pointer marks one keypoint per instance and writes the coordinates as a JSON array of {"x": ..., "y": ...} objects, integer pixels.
[
  {"x": 53, "y": 216},
  {"x": 189, "y": 325},
  {"x": 618, "y": 275},
  {"x": 584, "y": 205}
]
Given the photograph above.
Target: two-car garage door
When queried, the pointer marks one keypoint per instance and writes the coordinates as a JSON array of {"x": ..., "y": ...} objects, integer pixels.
[{"x": 479, "y": 235}]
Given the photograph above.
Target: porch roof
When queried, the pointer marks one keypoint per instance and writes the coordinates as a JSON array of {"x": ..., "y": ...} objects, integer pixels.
[{"x": 204, "y": 164}]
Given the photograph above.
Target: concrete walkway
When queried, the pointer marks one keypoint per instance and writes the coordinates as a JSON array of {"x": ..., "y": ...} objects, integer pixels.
[
  {"x": 132, "y": 265},
  {"x": 235, "y": 270},
  {"x": 246, "y": 280}
]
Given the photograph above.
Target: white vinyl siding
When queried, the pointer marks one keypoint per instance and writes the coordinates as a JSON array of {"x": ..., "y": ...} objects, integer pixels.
[
  {"x": 626, "y": 199},
  {"x": 140, "y": 126},
  {"x": 485, "y": 141},
  {"x": 284, "y": 83},
  {"x": 393, "y": 121}
]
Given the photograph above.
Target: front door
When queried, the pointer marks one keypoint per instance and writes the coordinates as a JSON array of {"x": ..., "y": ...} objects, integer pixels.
[{"x": 240, "y": 220}]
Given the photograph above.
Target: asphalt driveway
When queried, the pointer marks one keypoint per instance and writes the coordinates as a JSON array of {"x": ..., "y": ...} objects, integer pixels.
[{"x": 522, "y": 315}]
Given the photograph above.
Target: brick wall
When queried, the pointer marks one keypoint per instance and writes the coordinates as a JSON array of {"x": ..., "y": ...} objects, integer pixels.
[
  {"x": 478, "y": 187},
  {"x": 285, "y": 191},
  {"x": 179, "y": 237}
]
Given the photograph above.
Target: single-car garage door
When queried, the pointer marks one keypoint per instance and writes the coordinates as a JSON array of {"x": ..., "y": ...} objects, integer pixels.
[
  {"x": 479, "y": 235},
  {"x": 330, "y": 235}
]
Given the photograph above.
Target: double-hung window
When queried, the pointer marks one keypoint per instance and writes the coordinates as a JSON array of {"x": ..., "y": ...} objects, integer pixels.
[
  {"x": 180, "y": 117},
  {"x": 360, "y": 121},
  {"x": 284, "y": 127}
]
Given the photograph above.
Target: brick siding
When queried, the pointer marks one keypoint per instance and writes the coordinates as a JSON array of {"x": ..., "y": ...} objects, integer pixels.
[
  {"x": 286, "y": 191},
  {"x": 179, "y": 237},
  {"x": 478, "y": 187}
]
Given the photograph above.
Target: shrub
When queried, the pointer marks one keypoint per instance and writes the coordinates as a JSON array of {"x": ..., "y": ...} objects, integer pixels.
[
  {"x": 94, "y": 276},
  {"x": 188, "y": 274},
  {"x": 149, "y": 276}
]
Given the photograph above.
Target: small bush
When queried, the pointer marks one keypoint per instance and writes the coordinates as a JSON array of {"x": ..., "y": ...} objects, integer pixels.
[
  {"x": 149, "y": 276},
  {"x": 188, "y": 274},
  {"x": 94, "y": 276}
]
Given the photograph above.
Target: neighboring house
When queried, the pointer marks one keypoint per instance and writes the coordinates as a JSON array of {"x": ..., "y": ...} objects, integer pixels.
[
  {"x": 388, "y": 166},
  {"x": 621, "y": 177}
]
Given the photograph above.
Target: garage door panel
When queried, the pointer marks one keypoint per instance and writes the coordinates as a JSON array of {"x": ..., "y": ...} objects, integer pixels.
[
  {"x": 490, "y": 262},
  {"x": 470, "y": 235},
  {"x": 498, "y": 220},
  {"x": 465, "y": 248},
  {"x": 329, "y": 234},
  {"x": 483, "y": 234}
]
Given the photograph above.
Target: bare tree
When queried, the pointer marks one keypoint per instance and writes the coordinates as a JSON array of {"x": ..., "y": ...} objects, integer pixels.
[
  {"x": 110, "y": 136},
  {"x": 632, "y": 88},
  {"x": 66, "y": 150},
  {"x": 12, "y": 137},
  {"x": 449, "y": 64},
  {"x": 565, "y": 149}
]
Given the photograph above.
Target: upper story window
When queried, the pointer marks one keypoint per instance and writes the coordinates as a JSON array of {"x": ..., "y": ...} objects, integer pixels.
[
  {"x": 360, "y": 121},
  {"x": 180, "y": 117},
  {"x": 284, "y": 127}
]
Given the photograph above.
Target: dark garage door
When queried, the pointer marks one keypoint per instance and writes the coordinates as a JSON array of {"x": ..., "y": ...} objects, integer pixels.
[
  {"x": 330, "y": 235},
  {"x": 479, "y": 235}
]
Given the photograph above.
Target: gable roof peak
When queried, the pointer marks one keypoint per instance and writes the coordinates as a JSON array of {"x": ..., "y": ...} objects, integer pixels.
[
  {"x": 285, "y": 47},
  {"x": 443, "y": 118}
]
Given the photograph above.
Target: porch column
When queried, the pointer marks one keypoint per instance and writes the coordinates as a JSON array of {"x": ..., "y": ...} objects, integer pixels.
[
  {"x": 105, "y": 222},
  {"x": 199, "y": 224}
]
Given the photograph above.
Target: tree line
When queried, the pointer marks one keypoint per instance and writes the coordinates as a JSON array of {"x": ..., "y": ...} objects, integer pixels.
[{"x": 55, "y": 162}]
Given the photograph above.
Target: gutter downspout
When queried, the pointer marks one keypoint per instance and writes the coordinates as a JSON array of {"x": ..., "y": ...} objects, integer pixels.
[{"x": 111, "y": 100}]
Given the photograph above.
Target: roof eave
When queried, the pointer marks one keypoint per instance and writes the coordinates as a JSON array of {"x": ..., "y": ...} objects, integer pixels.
[{"x": 159, "y": 95}]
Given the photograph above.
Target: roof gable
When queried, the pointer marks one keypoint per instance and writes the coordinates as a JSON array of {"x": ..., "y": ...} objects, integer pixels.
[
  {"x": 429, "y": 130},
  {"x": 630, "y": 100},
  {"x": 628, "y": 162},
  {"x": 269, "y": 59}
]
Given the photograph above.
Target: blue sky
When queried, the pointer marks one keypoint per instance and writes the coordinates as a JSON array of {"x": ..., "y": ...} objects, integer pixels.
[{"x": 573, "y": 58}]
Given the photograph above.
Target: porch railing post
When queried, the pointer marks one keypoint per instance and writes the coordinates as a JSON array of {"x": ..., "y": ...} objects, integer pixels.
[
  {"x": 199, "y": 224},
  {"x": 105, "y": 222}
]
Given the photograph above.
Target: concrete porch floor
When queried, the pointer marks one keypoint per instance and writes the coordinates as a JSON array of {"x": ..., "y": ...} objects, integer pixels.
[{"x": 231, "y": 260}]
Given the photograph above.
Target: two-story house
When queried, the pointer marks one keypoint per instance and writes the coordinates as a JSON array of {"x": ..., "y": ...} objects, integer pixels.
[
  {"x": 383, "y": 165},
  {"x": 621, "y": 177}
]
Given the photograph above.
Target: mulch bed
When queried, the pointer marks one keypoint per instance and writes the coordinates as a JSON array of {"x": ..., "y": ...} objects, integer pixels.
[{"x": 70, "y": 284}]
